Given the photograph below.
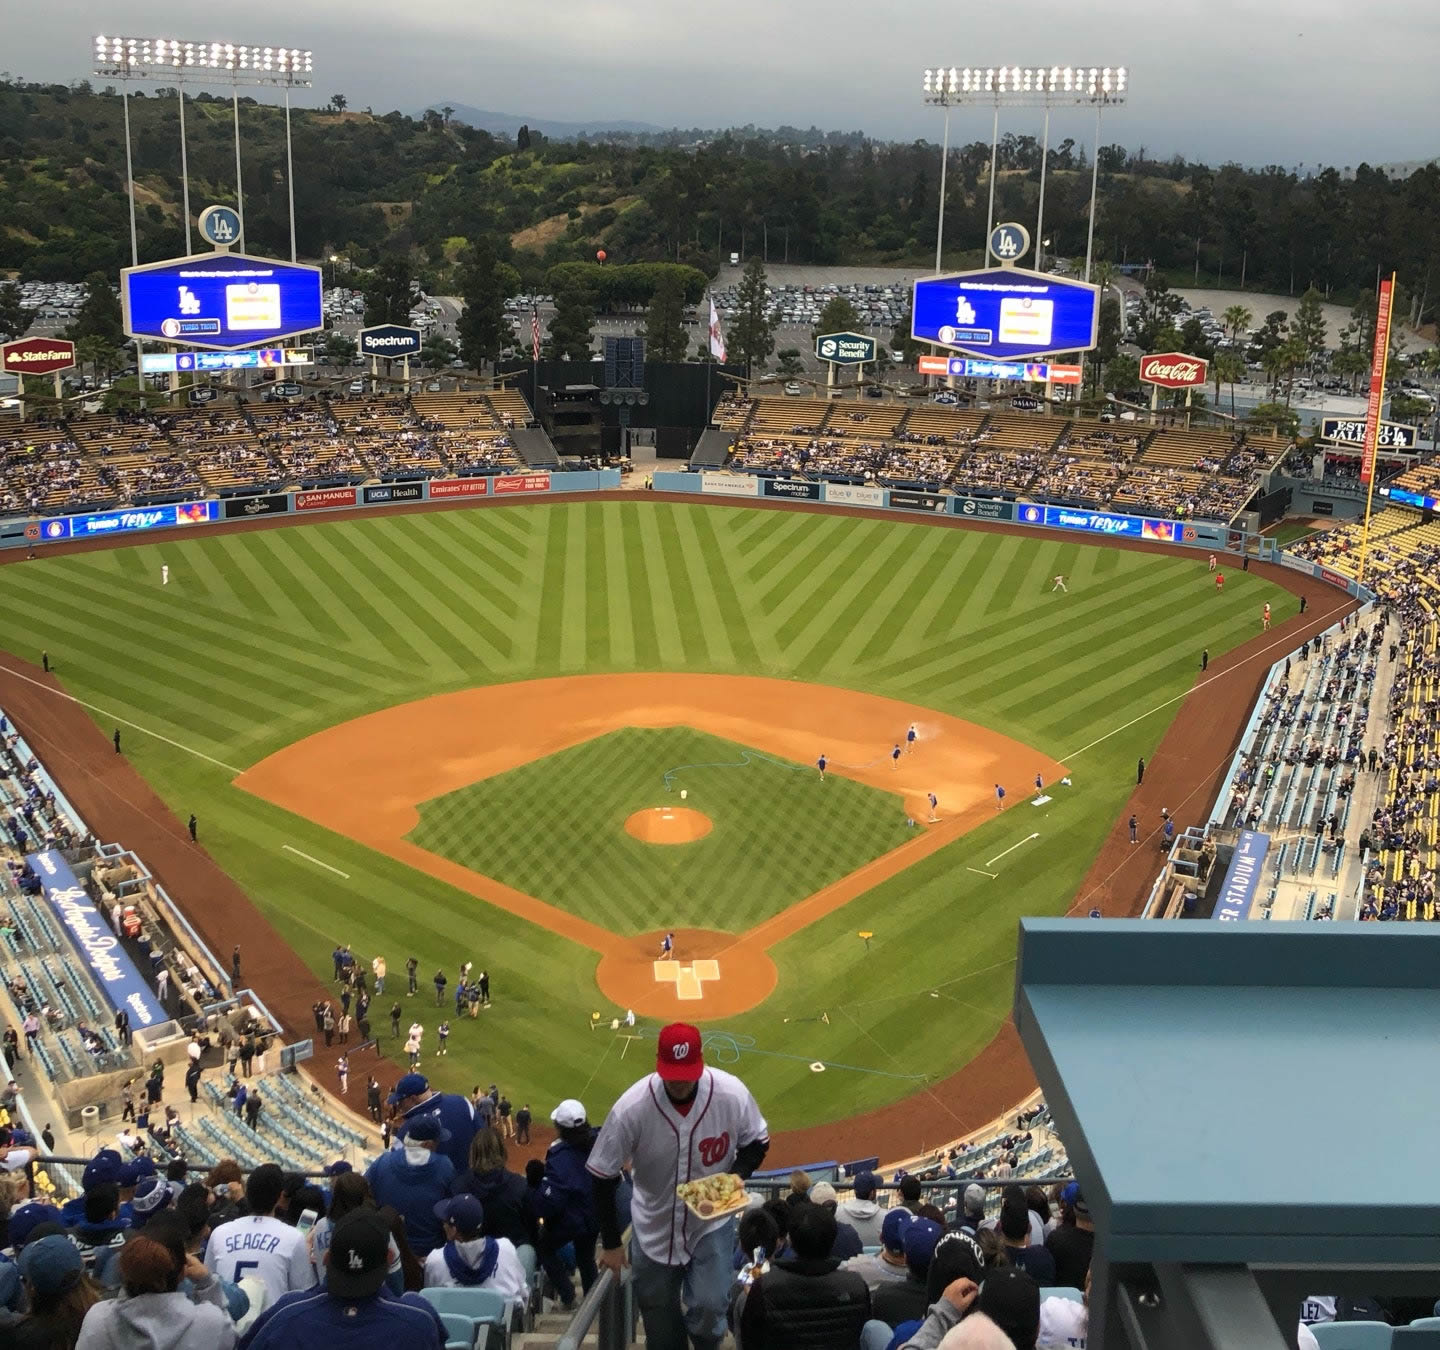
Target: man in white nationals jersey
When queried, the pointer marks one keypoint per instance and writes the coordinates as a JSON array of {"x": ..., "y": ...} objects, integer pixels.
[
  {"x": 678, "y": 1124},
  {"x": 261, "y": 1245}
]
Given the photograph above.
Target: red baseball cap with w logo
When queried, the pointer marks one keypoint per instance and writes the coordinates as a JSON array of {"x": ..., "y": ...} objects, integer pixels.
[{"x": 679, "y": 1059}]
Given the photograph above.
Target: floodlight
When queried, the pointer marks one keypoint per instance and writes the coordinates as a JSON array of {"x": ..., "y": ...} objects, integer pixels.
[
  {"x": 142, "y": 58},
  {"x": 1025, "y": 84}
]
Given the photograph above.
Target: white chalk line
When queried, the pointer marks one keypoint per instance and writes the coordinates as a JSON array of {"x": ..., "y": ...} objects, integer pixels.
[
  {"x": 980, "y": 871},
  {"x": 1289, "y": 644},
  {"x": 316, "y": 861},
  {"x": 124, "y": 721},
  {"x": 990, "y": 862}
]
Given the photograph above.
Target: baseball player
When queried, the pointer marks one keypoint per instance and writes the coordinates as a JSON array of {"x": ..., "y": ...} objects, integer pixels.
[
  {"x": 1219, "y": 581},
  {"x": 934, "y": 802},
  {"x": 1265, "y": 618},
  {"x": 1212, "y": 562},
  {"x": 1059, "y": 580},
  {"x": 820, "y": 764},
  {"x": 683, "y": 1122},
  {"x": 910, "y": 737},
  {"x": 895, "y": 758},
  {"x": 164, "y": 574},
  {"x": 999, "y": 797},
  {"x": 443, "y": 1032},
  {"x": 667, "y": 945},
  {"x": 1039, "y": 784}
]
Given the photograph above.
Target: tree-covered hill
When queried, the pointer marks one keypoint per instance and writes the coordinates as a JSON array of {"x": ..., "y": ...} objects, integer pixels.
[{"x": 369, "y": 184}]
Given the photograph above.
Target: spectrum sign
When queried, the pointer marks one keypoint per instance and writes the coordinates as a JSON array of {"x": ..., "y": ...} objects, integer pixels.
[{"x": 221, "y": 301}]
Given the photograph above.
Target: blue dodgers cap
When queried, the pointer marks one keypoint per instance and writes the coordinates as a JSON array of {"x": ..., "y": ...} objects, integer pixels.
[
  {"x": 427, "y": 1130},
  {"x": 920, "y": 1239},
  {"x": 133, "y": 1173},
  {"x": 865, "y": 1184},
  {"x": 152, "y": 1196},
  {"x": 52, "y": 1265},
  {"x": 893, "y": 1230},
  {"x": 410, "y": 1085},
  {"x": 107, "y": 1165},
  {"x": 27, "y": 1218},
  {"x": 464, "y": 1211},
  {"x": 337, "y": 1168}
]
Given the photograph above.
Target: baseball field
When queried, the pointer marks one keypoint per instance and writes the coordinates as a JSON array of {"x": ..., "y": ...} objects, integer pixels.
[{"x": 465, "y": 735}]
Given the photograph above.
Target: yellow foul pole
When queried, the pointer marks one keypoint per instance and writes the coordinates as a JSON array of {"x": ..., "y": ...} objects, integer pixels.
[{"x": 1379, "y": 365}]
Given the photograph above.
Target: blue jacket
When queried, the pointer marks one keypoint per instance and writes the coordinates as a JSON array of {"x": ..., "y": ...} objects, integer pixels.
[
  {"x": 311, "y": 1317},
  {"x": 414, "y": 1192},
  {"x": 566, "y": 1199},
  {"x": 456, "y": 1116}
]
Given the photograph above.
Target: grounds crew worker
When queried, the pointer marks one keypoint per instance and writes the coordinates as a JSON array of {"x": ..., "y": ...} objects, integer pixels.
[{"x": 681, "y": 1123}]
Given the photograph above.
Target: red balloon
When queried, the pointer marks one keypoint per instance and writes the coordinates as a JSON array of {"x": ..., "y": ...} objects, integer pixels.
[{"x": 600, "y": 255}]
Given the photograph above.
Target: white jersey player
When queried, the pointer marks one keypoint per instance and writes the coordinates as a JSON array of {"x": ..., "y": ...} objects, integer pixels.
[
  {"x": 262, "y": 1246},
  {"x": 164, "y": 574},
  {"x": 681, "y": 1123}
]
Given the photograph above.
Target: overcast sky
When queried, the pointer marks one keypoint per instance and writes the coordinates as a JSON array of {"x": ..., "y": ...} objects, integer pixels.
[{"x": 1258, "y": 81}]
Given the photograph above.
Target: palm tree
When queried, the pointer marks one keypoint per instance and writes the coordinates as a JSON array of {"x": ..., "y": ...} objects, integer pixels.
[
  {"x": 1237, "y": 320},
  {"x": 1229, "y": 368},
  {"x": 1291, "y": 357}
]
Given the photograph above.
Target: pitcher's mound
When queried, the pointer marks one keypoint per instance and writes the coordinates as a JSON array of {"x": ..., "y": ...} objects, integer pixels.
[{"x": 668, "y": 825}]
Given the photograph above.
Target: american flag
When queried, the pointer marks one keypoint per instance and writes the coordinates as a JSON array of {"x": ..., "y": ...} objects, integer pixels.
[{"x": 534, "y": 332}]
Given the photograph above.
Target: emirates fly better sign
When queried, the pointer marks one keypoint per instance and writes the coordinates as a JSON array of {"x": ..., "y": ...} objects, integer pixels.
[
  {"x": 1174, "y": 370},
  {"x": 37, "y": 356}
]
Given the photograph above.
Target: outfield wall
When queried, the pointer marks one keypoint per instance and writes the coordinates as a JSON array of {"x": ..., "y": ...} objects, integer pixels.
[{"x": 23, "y": 532}]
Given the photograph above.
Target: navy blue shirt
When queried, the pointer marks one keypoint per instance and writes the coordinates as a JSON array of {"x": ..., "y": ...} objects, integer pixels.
[
  {"x": 456, "y": 1115},
  {"x": 311, "y": 1317}
]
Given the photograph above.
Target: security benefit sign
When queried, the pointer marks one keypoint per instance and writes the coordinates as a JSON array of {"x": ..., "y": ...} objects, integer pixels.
[
  {"x": 1006, "y": 313},
  {"x": 221, "y": 301},
  {"x": 100, "y": 950},
  {"x": 846, "y": 349}
]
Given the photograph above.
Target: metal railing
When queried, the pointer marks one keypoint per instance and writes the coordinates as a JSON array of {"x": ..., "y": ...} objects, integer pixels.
[{"x": 609, "y": 1308}]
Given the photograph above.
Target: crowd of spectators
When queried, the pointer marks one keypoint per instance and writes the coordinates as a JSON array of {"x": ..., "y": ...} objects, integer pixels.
[
  {"x": 1185, "y": 475},
  {"x": 102, "y": 462}
]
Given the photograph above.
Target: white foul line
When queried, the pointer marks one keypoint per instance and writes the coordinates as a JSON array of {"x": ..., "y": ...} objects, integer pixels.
[
  {"x": 979, "y": 871},
  {"x": 124, "y": 722},
  {"x": 316, "y": 861},
  {"x": 1287, "y": 643},
  {"x": 990, "y": 862}
]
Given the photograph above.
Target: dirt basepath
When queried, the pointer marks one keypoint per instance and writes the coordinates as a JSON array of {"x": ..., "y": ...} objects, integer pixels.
[
  {"x": 366, "y": 779},
  {"x": 119, "y": 805}
]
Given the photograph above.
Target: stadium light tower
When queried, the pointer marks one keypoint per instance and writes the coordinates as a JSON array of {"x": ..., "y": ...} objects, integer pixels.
[
  {"x": 1047, "y": 87},
  {"x": 171, "y": 59}
]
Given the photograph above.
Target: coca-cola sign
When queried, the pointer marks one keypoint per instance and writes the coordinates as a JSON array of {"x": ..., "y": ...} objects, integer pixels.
[
  {"x": 37, "y": 356},
  {"x": 1173, "y": 370}
]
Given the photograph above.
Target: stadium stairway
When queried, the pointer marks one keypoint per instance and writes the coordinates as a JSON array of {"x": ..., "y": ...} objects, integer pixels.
[
  {"x": 535, "y": 448},
  {"x": 712, "y": 449}
]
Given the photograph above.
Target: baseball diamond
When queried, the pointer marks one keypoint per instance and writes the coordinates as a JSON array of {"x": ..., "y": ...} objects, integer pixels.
[{"x": 427, "y": 734}]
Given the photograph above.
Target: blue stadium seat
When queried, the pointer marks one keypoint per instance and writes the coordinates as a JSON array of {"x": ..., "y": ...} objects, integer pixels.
[
  {"x": 1426, "y": 1324},
  {"x": 459, "y": 1331},
  {"x": 475, "y": 1305},
  {"x": 1353, "y": 1335}
]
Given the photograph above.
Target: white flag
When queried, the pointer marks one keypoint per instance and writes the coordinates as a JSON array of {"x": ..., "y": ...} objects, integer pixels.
[{"x": 717, "y": 338}]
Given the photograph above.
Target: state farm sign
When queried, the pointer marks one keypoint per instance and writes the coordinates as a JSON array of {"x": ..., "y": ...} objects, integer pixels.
[
  {"x": 1173, "y": 370},
  {"x": 37, "y": 356}
]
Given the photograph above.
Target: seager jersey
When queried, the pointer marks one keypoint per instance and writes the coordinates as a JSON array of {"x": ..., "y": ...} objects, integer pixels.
[
  {"x": 665, "y": 1148},
  {"x": 264, "y": 1248}
]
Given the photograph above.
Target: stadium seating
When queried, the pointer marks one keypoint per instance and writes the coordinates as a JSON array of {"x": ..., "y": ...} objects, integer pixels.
[
  {"x": 1184, "y": 474},
  {"x": 96, "y": 463}
]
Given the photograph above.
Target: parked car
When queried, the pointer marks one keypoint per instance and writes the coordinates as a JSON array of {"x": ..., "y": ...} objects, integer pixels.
[{"x": 793, "y": 388}]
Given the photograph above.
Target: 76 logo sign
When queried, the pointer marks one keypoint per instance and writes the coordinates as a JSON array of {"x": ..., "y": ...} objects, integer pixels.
[{"x": 713, "y": 1149}]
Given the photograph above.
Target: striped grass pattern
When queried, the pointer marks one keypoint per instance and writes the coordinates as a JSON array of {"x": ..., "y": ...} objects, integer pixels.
[
  {"x": 264, "y": 637},
  {"x": 556, "y": 829}
]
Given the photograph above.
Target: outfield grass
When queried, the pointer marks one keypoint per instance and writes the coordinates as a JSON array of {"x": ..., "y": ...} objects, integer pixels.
[
  {"x": 778, "y": 833},
  {"x": 264, "y": 637},
  {"x": 1288, "y": 531}
]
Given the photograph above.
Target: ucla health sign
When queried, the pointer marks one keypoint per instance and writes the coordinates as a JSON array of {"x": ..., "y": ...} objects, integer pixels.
[
  {"x": 98, "y": 948},
  {"x": 1006, "y": 313},
  {"x": 98, "y": 523}
]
